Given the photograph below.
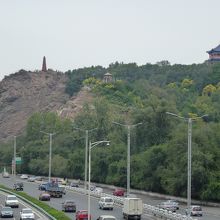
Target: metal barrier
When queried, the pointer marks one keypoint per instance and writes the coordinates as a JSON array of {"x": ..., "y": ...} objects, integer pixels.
[
  {"x": 30, "y": 203},
  {"x": 148, "y": 209}
]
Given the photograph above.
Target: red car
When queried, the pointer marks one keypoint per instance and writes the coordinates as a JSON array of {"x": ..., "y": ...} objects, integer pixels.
[
  {"x": 118, "y": 192},
  {"x": 82, "y": 215}
]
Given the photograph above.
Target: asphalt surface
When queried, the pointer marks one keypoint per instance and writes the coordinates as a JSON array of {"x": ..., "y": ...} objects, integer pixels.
[
  {"x": 209, "y": 213},
  {"x": 17, "y": 211},
  {"x": 81, "y": 200}
]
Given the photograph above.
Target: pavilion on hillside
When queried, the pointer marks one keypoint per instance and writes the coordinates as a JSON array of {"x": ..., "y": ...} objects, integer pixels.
[{"x": 214, "y": 54}]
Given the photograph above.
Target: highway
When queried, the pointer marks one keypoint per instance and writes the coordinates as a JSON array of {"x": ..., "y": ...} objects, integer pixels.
[
  {"x": 81, "y": 202},
  {"x": 38, "y": 216}
]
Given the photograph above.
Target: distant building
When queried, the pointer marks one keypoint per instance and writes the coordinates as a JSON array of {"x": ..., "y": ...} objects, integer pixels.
[
  {"x": 107, "y": 78},
  {"x": 44, "y": 65},
  {"x": 214, "y": 54}
]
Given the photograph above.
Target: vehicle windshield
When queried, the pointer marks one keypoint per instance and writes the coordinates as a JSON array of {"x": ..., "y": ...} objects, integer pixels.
[
  {"x": 70, "y": 203},
  {"x": 12, "y": 198},
  {"x": 109, "y": 200},
  {"x": 197, "y": 209},
  {"x": 27, "y": 211},
  {"x": 6, "y": 209}
]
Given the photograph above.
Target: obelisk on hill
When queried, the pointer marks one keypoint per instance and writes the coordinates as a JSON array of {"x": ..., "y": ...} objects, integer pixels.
[{"x": 44, "y": 65}]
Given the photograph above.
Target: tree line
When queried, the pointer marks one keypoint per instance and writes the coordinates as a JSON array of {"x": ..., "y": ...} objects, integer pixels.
[{"x": 158, "y": 146}]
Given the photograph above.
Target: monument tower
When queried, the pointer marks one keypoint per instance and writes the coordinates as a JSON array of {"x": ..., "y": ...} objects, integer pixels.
[{"x": 44, "y": 65}]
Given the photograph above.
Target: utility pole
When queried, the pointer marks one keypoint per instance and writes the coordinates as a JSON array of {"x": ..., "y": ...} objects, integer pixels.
[
  {"x": 50, "y": 152},
  {"x": 189, "y": 168},
  {"x": 14, "y": 167},
  {"x": 86, "y": 153},
  {"x": 128, "y": 152}
]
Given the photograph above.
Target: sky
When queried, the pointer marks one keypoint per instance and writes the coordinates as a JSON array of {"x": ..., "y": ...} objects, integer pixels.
[{"x": 80, "y": 33}]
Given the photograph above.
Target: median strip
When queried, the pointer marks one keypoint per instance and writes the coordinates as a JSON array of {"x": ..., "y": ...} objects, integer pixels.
[{"x": 47, "y": 210}]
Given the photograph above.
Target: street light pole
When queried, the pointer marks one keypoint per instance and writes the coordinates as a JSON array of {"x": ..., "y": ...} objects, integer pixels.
[
  {"x": 92, "y": 145},
  {"x": 128, "y": 160},
  {"x": 50, "y": 152},
  {"x": 128, "y": 153},
  {"x": 189, "y": 169},
  {"x": 86, "y": 153},
  {"x": 189, "y": 163},
  {"x": 14, "y": 157},
  {"x": 86, "y": 160}
]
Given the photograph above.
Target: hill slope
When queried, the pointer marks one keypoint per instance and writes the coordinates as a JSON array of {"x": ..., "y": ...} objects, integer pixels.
[{"x": 23, "y": 93}]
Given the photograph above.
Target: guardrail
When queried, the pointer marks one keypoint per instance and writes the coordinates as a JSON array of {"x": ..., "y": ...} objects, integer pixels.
[
  {"x": 30, "y": 203},
  {"x": 148, "y": 209}
]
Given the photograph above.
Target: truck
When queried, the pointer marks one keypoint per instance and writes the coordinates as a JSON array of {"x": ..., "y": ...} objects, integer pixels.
[
  {"x": 132, "y": 208},
  {"x": 54, "y": 189}
]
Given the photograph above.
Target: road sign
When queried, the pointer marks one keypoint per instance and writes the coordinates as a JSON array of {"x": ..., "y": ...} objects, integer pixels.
[{"x": 18, "y": 160}]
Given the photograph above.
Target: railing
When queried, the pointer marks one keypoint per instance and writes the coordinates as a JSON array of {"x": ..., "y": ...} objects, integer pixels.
[{"x": 148, "y": 209}]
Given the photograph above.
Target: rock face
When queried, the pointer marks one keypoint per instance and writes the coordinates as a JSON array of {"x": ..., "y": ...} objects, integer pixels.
[{"x": 23, "y": 93}]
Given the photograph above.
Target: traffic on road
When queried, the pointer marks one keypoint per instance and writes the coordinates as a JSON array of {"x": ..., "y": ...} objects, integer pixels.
[{"x": 99, "y": 206}]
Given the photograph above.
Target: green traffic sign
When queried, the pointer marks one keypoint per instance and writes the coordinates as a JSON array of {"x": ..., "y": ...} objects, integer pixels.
[{"x": 18, "y": 160}]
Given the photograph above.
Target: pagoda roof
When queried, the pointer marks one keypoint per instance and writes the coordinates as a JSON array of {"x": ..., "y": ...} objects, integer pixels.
[
  {"x": 214, "y": 50},
  {"x": 108, "y": 74}
]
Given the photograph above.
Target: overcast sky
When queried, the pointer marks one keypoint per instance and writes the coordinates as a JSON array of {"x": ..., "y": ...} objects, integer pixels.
[{"x": 73, "y": 34}]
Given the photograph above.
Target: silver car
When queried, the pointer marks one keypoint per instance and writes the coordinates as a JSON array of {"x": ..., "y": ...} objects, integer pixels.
[{"x": 173, "y": 203}]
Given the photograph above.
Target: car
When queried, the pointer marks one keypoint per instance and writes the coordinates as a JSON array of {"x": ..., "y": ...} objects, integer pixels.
[
  {"x": 174, "y": 203},
  {"x": 31, "y": 179},
  {"x": 44, "y": 196},
  {"x": 38, "y": 178},
  {"x": 98, "y": 190},
  {"x": 18, "y": 186},
  {"x": 69, "y": 206},
  {"x": 74, "y": 184},
  {"x": 42, "y": 186},
  {"x": 27, "y": 213},
  {"x": 6, "y": 212},
  {"x": 195, "y": 210},
  {"x": 167, "y": 206},
  {"x": 92, "y": 187},
  {"x": 12, "y": 201},
  {"x": 5, "y": 175},
  {"x": 63, "y": 182},
  {"x": 118, "y": 192},
  {"x": 106, "y": 203},
  {"x": 82, "y": 215},
  {"x": 24, "y": 176},
  {"x": 106, "y": 217}
]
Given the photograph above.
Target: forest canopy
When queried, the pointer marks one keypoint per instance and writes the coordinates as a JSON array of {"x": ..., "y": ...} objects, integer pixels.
[{"x": 136, "y": 94}]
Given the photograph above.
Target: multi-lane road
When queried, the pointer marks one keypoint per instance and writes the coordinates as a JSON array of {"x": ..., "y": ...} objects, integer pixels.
[
  {"x": 210, "y": 213},
  {"x": 16, "y": 211}
]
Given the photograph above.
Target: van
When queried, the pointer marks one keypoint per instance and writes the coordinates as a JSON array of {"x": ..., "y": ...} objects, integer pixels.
[{"x": 106, "y": 203}]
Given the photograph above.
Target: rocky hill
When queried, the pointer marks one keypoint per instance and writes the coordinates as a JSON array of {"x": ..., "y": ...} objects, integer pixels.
[{"x": 23, "y": 93}]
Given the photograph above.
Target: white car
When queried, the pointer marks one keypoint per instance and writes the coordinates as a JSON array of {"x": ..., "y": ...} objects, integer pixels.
[
  {"x": 106, "y": 217},
  {"x": 11, "y": 201},
  {"x": 195, "y": 210},
  {"x": 5, "y": 175},
  {"x": 27, "y": 213},
  {"x": 98, "y": 190},
  {"x": 106, "y": 203},
  {"x": 24, "y": 176},
  {"x": 31, "y": 179}
]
